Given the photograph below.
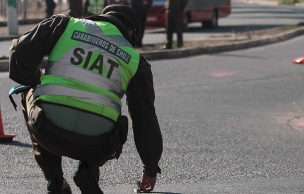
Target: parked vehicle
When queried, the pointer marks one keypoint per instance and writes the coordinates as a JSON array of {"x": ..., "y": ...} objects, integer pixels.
[{"x": 205, "y": 11}]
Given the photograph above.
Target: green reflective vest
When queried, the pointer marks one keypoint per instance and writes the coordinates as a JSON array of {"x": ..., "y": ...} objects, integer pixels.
[
  {"x": 89, "y": 68},
  {"x": 96, "y": 6}
]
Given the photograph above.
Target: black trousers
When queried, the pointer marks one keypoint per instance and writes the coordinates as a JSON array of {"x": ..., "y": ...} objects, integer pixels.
[
  {"x": 142, "y": 16},
  {"x": 49, "y": 148},
  {"x": 174, "y": 21}
]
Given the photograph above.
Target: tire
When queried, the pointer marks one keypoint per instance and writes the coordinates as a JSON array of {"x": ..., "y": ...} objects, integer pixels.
[{"x": 212, "y": 23}]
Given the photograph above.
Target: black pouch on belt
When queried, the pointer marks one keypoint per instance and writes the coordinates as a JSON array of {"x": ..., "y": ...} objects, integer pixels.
[
  {"x": 34, "y": 112},
  {"x": 122, "y": 129},
  {"x": 116, "y": 138},
  {"x": 36, "y": 118}
]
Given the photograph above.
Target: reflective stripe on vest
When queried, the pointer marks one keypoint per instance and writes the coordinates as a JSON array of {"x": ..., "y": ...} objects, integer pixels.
[
  {"x": 96, "y": 6},
  {"x": 73, "y": 72},
  {"x": 64, "y": 91},
  {"x": 89, "y": 68}
]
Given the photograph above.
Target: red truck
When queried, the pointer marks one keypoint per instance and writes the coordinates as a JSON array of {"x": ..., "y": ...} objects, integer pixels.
[{"x": 205, "y": 11}]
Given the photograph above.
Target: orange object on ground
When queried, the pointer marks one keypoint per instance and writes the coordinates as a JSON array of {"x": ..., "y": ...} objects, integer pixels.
[
  {"x": 299, "y": 60},
  {"x": 4, "y": 137}
]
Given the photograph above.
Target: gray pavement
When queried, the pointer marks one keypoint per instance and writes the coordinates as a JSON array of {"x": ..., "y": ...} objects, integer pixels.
[{"x": 267, "y": 2}]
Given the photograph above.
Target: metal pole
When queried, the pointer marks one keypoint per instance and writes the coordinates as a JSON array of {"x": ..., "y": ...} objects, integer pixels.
[
  {"x": 12, "y": 17},
  {"x": 60, "y": 6},
  {"x": 24, "y": 9}
]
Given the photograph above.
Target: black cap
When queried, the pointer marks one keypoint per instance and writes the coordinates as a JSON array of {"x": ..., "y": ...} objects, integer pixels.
[{"x": 128, "y": 13}]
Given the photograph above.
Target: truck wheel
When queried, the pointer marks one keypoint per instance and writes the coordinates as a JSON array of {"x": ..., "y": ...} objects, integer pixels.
[{"x": 212, "y": 23}]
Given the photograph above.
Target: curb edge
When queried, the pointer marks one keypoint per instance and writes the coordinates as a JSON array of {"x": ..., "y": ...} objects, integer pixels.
[{"x": 188, "y": 52}]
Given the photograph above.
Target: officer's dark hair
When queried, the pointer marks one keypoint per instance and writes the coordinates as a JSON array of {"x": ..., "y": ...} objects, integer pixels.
[
  {"x": 125, "y": 23},
  {"x": 127, "y": 16}
]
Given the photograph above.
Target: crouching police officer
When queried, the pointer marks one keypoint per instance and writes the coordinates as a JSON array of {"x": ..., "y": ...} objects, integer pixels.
[{"x": 74, "y": 109}]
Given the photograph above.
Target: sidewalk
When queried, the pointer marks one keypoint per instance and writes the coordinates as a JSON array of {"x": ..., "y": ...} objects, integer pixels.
[
  {"x": 261, "y": 2},
  {"x": 5, "y": 36},
  {"x": 267, "y": 2},
  {"x": 183, "y": 52}
]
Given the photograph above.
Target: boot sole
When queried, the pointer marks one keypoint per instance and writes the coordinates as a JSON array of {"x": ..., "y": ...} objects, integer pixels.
[
  {"x": 87, "y": 180},
  {"x": 83, "y": 179}
]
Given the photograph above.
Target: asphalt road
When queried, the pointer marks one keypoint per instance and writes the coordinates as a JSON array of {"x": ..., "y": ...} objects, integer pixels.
[{"x": 231, "y": 122}]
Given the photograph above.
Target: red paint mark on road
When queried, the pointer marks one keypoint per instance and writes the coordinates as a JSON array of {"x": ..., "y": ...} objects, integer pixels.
[
  {"x": 297, "y": 122},
  {"x": 223, "y": 74}
]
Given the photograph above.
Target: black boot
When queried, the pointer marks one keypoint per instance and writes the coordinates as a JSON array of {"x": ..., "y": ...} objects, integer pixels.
[
  {"x": 85, "y": 179},
  {"x": 56, "y": 186}
]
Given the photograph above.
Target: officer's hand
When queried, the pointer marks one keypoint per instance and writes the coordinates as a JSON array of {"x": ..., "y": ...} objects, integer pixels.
[{"x": 147, "y": 183}]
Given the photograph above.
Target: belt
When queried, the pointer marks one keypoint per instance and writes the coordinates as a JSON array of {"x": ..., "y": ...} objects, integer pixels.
[{"x": 67, "y": 135}]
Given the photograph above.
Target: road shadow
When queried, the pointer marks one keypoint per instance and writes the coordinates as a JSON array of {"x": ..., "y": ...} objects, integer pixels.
[
  {"x": 231, "y": 28},
  {"x": 240, "y": 56},
  {"x": 161, "y": 192},
  {"x": 16, "y": 143},
  {"x": 222, "y": 29}
]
